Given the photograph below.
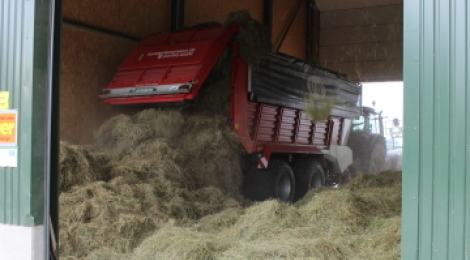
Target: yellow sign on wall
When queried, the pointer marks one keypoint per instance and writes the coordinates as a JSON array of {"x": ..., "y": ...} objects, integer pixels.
[
  {"x": 4, "y": 100},
  {"x": 8, "y": 122}
]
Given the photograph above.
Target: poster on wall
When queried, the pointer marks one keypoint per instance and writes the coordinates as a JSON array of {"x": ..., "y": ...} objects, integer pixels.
[
  {"x": 8, "y": 138},
  {"x": 4, "y": 98},
  {"x": 8, "y": 122},
  {"x": 8, "y": 157}
]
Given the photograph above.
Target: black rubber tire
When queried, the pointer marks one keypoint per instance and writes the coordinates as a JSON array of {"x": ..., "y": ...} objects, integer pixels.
[
  {"x": 276, "y": 182},
  {"x": 282, "y": 180},
  {"x": 256, "y": 184},
  {"x": 376, "y": 159},
  {"x": 309, "y": 174}
]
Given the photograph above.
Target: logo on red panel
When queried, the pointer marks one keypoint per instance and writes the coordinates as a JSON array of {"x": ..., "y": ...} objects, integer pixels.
[{"x": 172, "y": 54}]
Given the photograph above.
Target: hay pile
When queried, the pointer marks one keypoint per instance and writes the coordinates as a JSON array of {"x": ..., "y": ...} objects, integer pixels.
[
  {"x": 164, "y": 184},
  {"x": 255, "y": 43},
  {"x": 78, "y": 166},
  {"x": 358, "y": 221},
  {"x": 145, "y": 170}
]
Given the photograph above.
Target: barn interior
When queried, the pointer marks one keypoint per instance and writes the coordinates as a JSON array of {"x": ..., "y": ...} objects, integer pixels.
[{"x": 362, "y": 39}]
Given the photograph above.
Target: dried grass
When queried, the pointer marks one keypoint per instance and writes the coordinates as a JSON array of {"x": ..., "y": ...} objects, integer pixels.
[
  {"x": 77, "y": 166},
  {"x": 345, "y": 223},
  {"x": 254, "y": 38},
  {"x": 170, "y": 168},
  {"x": 164, "y": 184},
  {"x": 318, "y": 109}
]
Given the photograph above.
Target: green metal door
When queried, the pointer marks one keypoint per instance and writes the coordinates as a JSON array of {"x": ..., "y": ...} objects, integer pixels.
[
  {"x": 436, "y": 163},
  {"x": 25, "y": 109}
]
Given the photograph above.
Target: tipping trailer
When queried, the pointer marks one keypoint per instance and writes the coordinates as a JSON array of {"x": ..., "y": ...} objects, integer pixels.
[{"x": 288, "y": 153}]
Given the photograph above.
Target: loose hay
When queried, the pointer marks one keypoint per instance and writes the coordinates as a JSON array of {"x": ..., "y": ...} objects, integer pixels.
[
  {"x": 344, "y": 223},
  {"x": 212, "y": 154},
  {"x": 79, "y": 166},
  {"x": 254, "y": 38},
  {"x": 164, "y": 184},
  {"x": 152, "y": 176},
  {"x": 318, "y": 109},
  {"x": 94, "y": 216}
]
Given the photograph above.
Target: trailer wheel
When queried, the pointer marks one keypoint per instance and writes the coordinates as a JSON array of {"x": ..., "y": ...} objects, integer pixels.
[
  {"x": 276, "y": 182},
  {"x": 256, "y": 184},
  {"x": 282, "y": 180},
  {"x": 309, "y": 175}
]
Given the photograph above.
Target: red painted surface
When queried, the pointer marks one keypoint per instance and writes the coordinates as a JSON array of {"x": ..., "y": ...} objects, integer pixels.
[
  {"x": 260, "y": 127},
  {"x": 174, "y": 58},
  {"x": 272, "y": 129}
]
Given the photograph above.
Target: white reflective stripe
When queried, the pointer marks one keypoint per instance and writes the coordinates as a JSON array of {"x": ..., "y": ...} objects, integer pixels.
[
  {"x": 146, "y": 90},
  {"x": 262, "y": 163}
]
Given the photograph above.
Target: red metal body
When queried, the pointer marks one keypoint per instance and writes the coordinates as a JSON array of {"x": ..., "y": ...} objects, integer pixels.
[
  {"x": 179, "y": 57},
  {"x": 189, "y": 56},
  {"x": 271, "y": 129}
]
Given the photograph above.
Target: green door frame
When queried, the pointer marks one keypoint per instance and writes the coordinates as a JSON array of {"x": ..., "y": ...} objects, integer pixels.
[{"x": 436, "y": 157}]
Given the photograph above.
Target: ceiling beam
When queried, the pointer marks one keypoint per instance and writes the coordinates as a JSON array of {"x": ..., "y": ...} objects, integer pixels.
[{"x": 177, "y": 14}]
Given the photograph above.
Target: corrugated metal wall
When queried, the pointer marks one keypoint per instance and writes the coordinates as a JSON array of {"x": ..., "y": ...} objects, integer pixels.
[
  {"x": 23, "y": 66},
  {"x": 436, "y": 175}
]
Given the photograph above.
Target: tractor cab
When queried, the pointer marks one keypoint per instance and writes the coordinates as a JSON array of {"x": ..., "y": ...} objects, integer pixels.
[
  {"x": 367, "y": 141},
  {"x": 370, "y": 122}
]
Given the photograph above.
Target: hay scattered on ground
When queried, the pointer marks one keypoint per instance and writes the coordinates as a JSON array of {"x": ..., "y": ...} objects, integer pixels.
[
  {"x": 360, "y": 222},
  {"x": 212, "y": 154},
  {"x": 78, "y": 166},
  {"x": 164, "y": 184},
  {"x": 169, "y": 167}
]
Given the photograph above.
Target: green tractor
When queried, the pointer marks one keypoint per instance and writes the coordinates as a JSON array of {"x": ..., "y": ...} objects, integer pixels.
[{"x": 367, "y": 142}]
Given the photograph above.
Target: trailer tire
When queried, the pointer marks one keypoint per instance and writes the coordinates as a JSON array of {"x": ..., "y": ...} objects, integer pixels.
[
  {"x": 276, "y": 182},
  {"x": 256, "y": 184},
  {"x": 282, "y": 180},
  {"x": 309, "y": 174}
]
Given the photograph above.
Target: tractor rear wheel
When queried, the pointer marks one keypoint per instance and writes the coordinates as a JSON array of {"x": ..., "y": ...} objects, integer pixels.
[{"x": 376, "y": 160}]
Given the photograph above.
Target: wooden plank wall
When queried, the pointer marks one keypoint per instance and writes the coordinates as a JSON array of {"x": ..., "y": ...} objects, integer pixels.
[
  {"x": 364, "y": 42},
  {"x": 90, "y": 58}
]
